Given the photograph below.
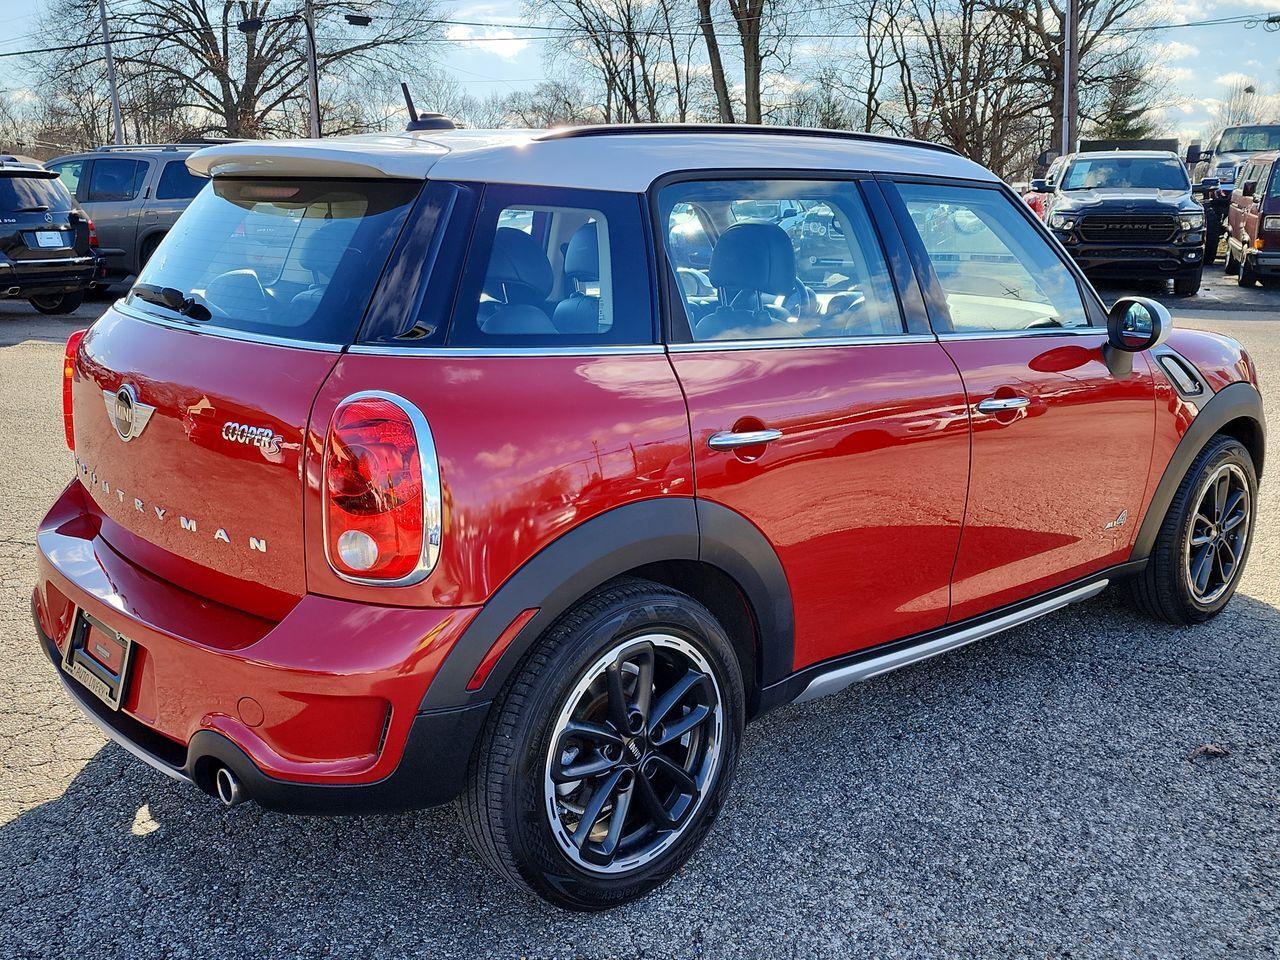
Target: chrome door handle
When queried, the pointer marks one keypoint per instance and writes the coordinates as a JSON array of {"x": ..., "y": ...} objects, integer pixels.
[
  {"x": 1003, "y": 404},
  {"x": 728, "y": 440}
]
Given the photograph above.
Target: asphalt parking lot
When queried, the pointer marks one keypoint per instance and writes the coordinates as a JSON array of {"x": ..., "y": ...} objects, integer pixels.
[{"x": 1039, "y": 794}]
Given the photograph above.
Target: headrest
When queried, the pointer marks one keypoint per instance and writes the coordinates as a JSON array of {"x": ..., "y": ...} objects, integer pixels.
[
  {"x": 754, "y": 256},
  {"x": 322, "y": 249},
  {"x": 582, "y": 254},
  {"x": 519, "y": 271}
]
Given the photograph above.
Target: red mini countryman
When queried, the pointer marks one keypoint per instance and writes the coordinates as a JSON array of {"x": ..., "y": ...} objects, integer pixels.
[{"x": 525, "y": 468}]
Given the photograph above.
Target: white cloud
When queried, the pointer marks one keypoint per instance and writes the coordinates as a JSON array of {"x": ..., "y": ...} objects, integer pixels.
[
  {"x": 1177, "y": 50},
  {"x": 1231, "y": 79},
  {"x": 499, "y": 41}
]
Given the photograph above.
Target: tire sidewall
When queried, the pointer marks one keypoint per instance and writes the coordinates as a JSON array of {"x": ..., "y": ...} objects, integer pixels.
[{"x": 542, "y": 863}]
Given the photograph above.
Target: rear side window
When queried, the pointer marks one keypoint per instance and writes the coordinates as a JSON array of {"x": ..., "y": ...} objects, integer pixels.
[
  {"x": 27, "y": 194},
  {"x": 996, "y": 271},
  {"x": 777, "y": 259},
  {"x": 177, "y": 182},
  {"x": 70, "y": 174},
  {"x": 555, "y": 268},
  {"x": 295, "y": 259},
  {"x": 115, "y": 178}
]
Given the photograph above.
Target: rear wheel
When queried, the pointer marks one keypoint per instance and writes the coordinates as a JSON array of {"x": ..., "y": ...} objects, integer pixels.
[
  {"x": 1212, "y": 234},
  {"x": 1188, "y": 284},
  {"x": 610, "y": 752},
  {"x": 1203, "y": 544},
  {"x": 58, "y": 303},
  {"x": 1246, "y": 277},
  {"x": 1231, "y": 263}
]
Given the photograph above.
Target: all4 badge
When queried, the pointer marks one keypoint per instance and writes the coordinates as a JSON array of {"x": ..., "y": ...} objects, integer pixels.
[{"x": 1118, "y": 522}]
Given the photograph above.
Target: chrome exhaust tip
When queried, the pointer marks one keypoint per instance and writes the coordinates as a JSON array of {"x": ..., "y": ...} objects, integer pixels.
[
  {"x": 13, "y": 291},
  {"x": 230, "y": 789}
]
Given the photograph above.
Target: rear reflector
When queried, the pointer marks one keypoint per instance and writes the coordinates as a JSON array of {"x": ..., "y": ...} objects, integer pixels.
[
  {"x": 68, "y": 375},
  {"x": 495, "y": 652},
  {"x": 382, "y": 491}
]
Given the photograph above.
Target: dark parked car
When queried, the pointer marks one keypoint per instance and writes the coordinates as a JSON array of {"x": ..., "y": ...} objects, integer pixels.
[
  {"x": 407, "y": 471},
  {"x": 134, "y": 194},
  {"x": 46, "y": 254},
  {"x": 1253, "y": 222},
  {"x": 1129, "y": 214},
  {"x": 1221, "y": 160}
]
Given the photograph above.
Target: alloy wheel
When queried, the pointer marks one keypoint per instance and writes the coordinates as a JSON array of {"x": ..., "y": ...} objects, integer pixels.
[
  {"x": 1215, "y": 545},
  {"x": 633, "y": 753}
]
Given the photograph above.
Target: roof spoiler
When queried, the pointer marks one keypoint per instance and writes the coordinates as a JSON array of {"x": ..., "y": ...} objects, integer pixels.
[{"x": 426, "y": 121}]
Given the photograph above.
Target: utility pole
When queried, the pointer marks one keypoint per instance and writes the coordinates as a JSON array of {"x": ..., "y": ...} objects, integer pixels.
[
  {"x": 313, "y": 73},
  {"x": 116, "y": 122},
  {"x": 1070, "y": 75}
]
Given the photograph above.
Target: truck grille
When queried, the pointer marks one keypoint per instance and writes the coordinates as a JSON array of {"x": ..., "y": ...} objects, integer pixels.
[{"x": 1126, "y": 228}]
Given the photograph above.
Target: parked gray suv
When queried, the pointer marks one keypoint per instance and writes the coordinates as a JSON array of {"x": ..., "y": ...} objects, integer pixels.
[{"x": 133, "y": 194}]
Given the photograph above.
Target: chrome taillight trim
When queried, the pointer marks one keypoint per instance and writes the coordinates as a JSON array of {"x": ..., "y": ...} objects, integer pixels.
[{"x": 432, "y": 499}]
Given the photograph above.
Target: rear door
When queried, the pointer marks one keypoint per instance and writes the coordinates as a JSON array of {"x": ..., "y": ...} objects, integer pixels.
[
  {"x": 173, "y": 187},
  {"x": 110, "y": 188},
  {"x": 821, "y": 410},
  {"x": 1061, "y": 446}
]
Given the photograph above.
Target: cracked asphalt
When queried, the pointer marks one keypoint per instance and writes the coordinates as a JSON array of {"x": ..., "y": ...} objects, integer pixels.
[{"x": 1038, "y": 794}]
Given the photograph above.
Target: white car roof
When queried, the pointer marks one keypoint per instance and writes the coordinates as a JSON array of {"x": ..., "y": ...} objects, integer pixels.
[{"x": 614, "y": 158}]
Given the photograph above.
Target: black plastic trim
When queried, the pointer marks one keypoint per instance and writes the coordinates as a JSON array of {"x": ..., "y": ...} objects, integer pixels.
[{"x": 1239, "y": 400}]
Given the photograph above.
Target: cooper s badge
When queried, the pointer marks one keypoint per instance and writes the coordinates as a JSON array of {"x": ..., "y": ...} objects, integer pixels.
[
  {"x": 126, "y": 412},
  {"x": 264, "y": 438}
]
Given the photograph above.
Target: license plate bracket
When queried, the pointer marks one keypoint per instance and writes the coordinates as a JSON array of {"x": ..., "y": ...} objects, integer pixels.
[
  {"x": 94, "y": 672},
  {"x": 50, "y": 239}
]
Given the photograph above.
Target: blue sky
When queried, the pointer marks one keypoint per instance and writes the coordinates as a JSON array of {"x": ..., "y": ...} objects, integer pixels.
[{"x": 1199, "y": 63}]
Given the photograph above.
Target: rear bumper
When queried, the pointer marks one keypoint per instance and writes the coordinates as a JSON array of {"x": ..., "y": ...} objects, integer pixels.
[
  {"x": 1264, "y": 262},
  {"x": 25, "y": 278},
  {"x": 319, "y": 712}
]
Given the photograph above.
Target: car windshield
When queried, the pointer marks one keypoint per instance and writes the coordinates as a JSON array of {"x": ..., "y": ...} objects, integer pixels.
[
  {"x": 295, "y": 259},
  {"x": 1144, "y": 173},
  {"x": 1249, "y": 139},
  {"x": 19, "y": 193}
]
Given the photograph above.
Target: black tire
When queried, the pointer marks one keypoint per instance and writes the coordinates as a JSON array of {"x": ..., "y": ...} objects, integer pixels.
[
  {"x": 1164, "y": 590},
  {"x": 510, "y": 802},
  {"x": 1230, "y": 263},
  {"x": 1188, "y": 284},
  {"x": 147, "y": 249},
  {"x": 1212, "y": 235},
  {"x": 1246, "y": 277},
  {"x": 58, "y": 303}
]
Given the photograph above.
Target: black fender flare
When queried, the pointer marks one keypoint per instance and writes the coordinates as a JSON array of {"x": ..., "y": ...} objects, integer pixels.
[
  {"x": 604, "y": 547},
  {"x": 1237, "y": 401}
]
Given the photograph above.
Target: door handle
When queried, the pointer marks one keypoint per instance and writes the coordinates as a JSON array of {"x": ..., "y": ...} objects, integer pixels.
[
  {"x": 729, "y": 440},
  {"x": 993, "y": 405}
]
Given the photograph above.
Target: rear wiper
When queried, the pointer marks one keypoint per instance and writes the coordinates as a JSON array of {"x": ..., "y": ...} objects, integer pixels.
[{"x": 173, "y": 299}]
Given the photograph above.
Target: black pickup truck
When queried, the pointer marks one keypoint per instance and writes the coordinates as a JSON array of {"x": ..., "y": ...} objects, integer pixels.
[{"x": 1130, "y": 214}]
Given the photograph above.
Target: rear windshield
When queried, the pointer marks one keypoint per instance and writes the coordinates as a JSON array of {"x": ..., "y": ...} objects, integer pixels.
[
  {"x": 27, "y": 194},
  {"x": 1143, "y": 173},
  {"x": 295, "y": 259}
]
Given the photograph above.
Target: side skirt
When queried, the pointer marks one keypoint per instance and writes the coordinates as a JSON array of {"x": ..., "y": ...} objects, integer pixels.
[{"x": 833, "y": 676}]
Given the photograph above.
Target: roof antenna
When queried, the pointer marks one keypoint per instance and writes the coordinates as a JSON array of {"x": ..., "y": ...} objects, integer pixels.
[{"x": 427, "y": 121}]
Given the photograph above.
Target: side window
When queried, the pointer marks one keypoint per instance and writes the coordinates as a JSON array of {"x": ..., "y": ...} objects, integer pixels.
[
  {"x": 69, "y": 173},
  {"x": 557, "y": 268},
  {"x": 996, "y": 271},
  {"x": 1274, "y": 190},
  {"x": 115, "y": 178},
  {"x": 777, "y": 259},
  {"x": 177, "y": 182},
  {"x": 1250, "y": 172}
]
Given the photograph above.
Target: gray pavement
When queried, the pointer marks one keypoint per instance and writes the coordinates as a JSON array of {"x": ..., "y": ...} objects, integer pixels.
[{"x": 1034, "y": 795}]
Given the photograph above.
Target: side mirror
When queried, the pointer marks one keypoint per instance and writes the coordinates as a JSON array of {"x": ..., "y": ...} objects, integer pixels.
[
  {"x": 1249, "y": 188},
  {"x": 1041, "y": 186},
  {"x": 1206, "y": 185},
  {"x": 1134, "y": 324},
  {"x": 1193, "y": 155}
]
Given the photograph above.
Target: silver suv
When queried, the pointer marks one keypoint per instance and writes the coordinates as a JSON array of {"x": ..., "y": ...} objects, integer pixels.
[{"x": 133, "y": 194}]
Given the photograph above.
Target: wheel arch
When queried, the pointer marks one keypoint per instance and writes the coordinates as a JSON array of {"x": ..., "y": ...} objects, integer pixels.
[
  {"x": 706, "y": 550},
  {"x": 1236, "y": 411}
]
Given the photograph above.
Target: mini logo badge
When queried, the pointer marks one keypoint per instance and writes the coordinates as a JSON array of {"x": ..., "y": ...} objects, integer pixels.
[
  {"x": 127, "y": 414},
  {"x": 1118, "y": 522}
]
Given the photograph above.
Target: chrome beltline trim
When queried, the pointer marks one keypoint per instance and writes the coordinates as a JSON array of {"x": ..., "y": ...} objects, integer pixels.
[
  {"x": 714, "y": 346},
  {"x": 211, "y": 330},
  {"x": 375, "y": 349},
  {"x": 1006, "y": 334},
  {"x": 836, "y": 680}
]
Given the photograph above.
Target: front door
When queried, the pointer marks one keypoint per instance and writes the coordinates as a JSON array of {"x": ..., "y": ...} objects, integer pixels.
[
  {"x": 1061, "y": 446},
  {"x": 110, "y": 198},
  {"x": 816, "y": 412}
]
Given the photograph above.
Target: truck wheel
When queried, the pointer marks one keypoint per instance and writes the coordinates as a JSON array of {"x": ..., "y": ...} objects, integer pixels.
[
  {"x": 1188, "y": 284},
  {"x": 1204, "y": 541},
  {"x": 607, "y": 756},
  {"x": 1247, "y": 277},
  {"x": 58, "y": 303},
  {"x": 1231, "y": 264},
  {"x": 1212, "y": 234}
]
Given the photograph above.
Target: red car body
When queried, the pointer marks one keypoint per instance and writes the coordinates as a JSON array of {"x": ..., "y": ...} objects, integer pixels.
[{"x": 888, "y": 509}]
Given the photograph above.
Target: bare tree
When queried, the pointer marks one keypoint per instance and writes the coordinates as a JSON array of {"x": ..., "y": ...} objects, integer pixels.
[{"x": 764, "y": 28}]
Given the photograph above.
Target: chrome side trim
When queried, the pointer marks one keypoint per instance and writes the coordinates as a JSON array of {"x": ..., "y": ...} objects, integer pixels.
[
  {"x": 378, "y": 349},
  {"x": 715, "y": 346},
  {"x": 432, "y": 500},
  {"x": 836, "y": 680},
  {"x": 57, "y": 261},
  {"x": 223, "y": 333},
  {"x": 1038, "y": 332}
]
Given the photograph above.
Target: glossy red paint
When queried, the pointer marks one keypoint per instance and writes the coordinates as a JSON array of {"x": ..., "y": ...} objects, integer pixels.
[
  {"x": 1049, "y": 483},
  {"x": 333, "y": 709},
  {"x": 1220, "y": 360},
  {"x": 529, "y": 447},
  {"x": 864, "y": 494},
  {"x": 180, "y": 465}
]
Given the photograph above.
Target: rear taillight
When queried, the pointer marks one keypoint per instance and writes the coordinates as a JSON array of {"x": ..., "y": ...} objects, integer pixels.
[
  {"x": 68, "y": 375},
  {"x": 93, "y": 234},
  {"x": 382, "y": 491}
]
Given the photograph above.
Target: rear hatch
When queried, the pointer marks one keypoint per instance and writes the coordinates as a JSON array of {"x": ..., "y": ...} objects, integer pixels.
[
  {"x": 192, "y": 395},
  {"x": 38, "y": 220}
]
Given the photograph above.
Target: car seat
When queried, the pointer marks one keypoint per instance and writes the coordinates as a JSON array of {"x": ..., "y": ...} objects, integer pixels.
[
  {"x": 750, "y": 261},
  {"x": 579, "y": 312},
  {"x": 518, "y": 280}
]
